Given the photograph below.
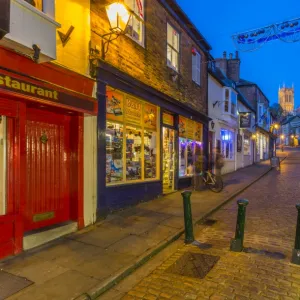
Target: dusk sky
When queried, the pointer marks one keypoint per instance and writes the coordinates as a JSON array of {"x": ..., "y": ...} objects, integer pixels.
[{"x": 270, "y": 66}]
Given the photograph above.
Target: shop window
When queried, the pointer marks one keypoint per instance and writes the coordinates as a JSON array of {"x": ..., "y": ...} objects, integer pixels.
[
  {"x": 114, "y": 152},
  {"x": 182, "y": 157},
  {"x": 226, "y": 102},
  {"x": 227, "y": 142},
  {"x": 172, "y": 48},
  {"x": 247, "y": 145},
  {"x": 133, "y": 153},
  {"x": 36, "y": 3},
  {"x": 136, "y": 23},
  {"x": 132, "y": 139},
  {"x": 3, "y": 159},
  {"x": 150, "y": 155}
]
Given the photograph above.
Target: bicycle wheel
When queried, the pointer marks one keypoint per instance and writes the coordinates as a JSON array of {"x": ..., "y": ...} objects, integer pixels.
[{"x": 215, "y": 183}]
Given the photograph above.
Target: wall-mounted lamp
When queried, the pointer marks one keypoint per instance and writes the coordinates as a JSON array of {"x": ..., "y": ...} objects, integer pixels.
[{"x": 118, "y": 16}]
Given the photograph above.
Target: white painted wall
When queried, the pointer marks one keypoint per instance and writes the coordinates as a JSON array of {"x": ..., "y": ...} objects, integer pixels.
[
  {"x": 216, "y": 92},
  {"x": 90, "y": 169},
  {"x": 29, "y": 26}
]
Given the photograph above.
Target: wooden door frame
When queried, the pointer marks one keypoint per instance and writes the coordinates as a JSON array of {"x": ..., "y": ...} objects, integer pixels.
[{"x": 16, "y": 173}]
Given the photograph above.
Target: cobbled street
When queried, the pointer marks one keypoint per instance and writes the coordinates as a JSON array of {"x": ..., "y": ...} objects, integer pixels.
[{"x": 263, "y": 270}]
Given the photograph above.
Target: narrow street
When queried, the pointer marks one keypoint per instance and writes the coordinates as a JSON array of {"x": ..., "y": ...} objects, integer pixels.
[{"x": 262, "y": 271}]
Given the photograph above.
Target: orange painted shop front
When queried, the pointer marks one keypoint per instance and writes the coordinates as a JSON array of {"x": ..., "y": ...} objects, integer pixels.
[{"x": 42, "y": 109}]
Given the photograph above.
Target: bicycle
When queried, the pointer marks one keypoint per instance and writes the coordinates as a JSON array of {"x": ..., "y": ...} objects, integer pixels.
[{"x": 214, "y": 182}]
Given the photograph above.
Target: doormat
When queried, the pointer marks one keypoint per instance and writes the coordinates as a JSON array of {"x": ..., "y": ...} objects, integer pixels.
[
  {"x": 193, "y": 265},
  {"x": 11, "y": 284}
]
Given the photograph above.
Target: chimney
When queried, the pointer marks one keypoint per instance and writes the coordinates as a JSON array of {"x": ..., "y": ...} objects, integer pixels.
[
  {"x": 221, "y": 63},
  {"x": 233, "y": 67}
]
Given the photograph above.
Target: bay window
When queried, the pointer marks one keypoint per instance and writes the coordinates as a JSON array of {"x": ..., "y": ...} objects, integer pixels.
[
  {"x": 233, "y": 103},
  {"x": 227, "y": 144},
  {"x": 172, "y": 48},
  {"x": 226, "y": 102}
]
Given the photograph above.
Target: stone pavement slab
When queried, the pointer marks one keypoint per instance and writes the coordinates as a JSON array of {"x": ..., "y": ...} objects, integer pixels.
[
  {"x": 262, "y": 271},
  {"x": 102, "y": 254}
]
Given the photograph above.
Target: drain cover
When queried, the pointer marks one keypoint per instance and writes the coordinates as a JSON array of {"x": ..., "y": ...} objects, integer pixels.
[
  {"x": 11, "y": 284},
  {"x": 193, "y": 265}
]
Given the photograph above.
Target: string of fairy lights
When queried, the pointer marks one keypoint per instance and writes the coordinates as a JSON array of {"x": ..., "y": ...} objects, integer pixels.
[{"x": 252, "y": 40}]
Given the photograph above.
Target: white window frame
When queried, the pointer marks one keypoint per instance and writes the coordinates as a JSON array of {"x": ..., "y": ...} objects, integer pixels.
[
  {"x": 230, "y": 142},
  {"x": 233, "y": 110},
  {"x": 196, "y": 68},
  {"x": 172, "y": 47},
  {"x": 136, "y": 17}
]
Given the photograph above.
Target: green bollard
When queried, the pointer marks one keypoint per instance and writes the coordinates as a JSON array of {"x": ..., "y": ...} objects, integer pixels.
[
  {"x": 188, "y": 220},
  {"x": 296, "y": 250},
  {"x": 236, "y": 244}
]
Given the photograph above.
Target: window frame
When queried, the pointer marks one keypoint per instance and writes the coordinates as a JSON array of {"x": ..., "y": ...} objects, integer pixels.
[
  {"x": 226, "y": 100},
  {"x": 135, "y": 16},
  {"x": 172, "y": 47},
  {"x": 196, "y": 70},
  {"x": 228, "y": 143}
]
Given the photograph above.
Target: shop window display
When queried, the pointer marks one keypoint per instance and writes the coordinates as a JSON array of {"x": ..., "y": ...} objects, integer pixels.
[
  {"x": 190, "y": 146},
  {"x": 132, "y": 139},
  {"x": 150, "y": 154},
  {"x": 168, "y": 159},
  {"x": 114, "y": 152},
  {"x": 133, "y": 153},
  {"x": 2, "y": 165}
]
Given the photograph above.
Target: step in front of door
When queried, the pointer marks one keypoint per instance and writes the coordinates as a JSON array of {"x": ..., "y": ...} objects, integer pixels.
[{"x": 36, "y": 239}]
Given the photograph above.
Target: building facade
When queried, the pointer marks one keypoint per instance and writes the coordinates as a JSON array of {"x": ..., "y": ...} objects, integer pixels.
[
  {"x": 47, "y": 122},
  {"x": 222, "y": 109},
  {"x": 152, "y": 83},
  {"x": 286, "y": 98}
]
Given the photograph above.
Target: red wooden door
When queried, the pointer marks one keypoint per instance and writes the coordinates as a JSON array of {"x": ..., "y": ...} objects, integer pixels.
[{"x": 48, "y": 169}]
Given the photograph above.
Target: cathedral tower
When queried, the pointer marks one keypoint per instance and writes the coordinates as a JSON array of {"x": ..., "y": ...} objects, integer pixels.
[{"x": 286, "y": 99}]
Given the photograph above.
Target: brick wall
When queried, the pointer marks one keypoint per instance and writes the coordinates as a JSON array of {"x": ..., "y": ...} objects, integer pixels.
[{"x": 149, "y": 64}]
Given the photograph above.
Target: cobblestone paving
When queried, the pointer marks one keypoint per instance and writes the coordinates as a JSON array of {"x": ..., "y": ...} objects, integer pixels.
[{"x": 265, "y": 271}]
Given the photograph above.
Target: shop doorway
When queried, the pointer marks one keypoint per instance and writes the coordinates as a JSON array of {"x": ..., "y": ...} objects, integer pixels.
[
  {"x": 168, "y": 160},
  {"x": 48, "y": 169}
]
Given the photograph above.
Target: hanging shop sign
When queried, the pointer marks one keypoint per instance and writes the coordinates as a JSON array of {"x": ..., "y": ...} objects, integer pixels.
[
  {"x": 239, "y": 143},
  {"x": 114, "y": 106},
  {"x": 133, "y": 111},
  {"x": 44, "y": 91},
  {"x": 168, "y": 119},
  {"x": 150, "y": 116},
  {"x": 245, "y": 119}
]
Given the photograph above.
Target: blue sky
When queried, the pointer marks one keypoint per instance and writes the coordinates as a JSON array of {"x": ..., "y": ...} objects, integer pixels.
[{"x": 273, "y": 64}]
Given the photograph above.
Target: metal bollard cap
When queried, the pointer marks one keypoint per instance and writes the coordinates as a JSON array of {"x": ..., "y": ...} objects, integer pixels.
[
  {"x": 188, "y": 193},
  {"x": 243, "y": 202}
]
